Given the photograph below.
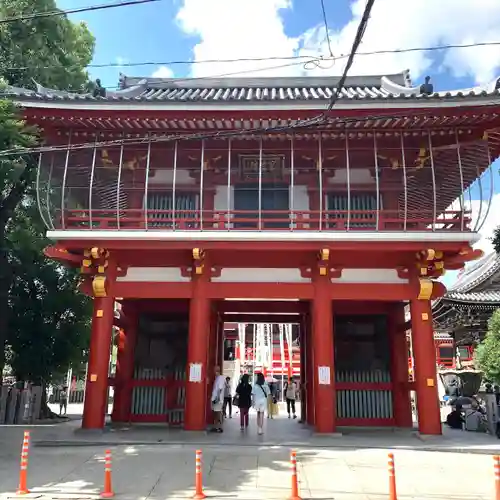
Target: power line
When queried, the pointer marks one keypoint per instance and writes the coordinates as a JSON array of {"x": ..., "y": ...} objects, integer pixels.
[
  {"x": 311, "y": 63},
  {"x": 58, "y": 12},
  {"x": 300, "y": 124},
  {"x": 327, "y": 31},
  {"x": 222, "y": 134},
  {"x": 270, "y": 58},
  {"x": 357, "y": 42}
]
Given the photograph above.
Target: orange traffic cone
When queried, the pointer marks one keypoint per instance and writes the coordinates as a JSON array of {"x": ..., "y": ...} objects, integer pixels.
[
  {"x": 107, "y": 492},
  {"x": 295, "y": 485},
  {"x": 23, "y": 473},
  {"x": 392, "y": 478},
  {"x": 496, "y": 464},
  {"x": 198, "y": 477}
]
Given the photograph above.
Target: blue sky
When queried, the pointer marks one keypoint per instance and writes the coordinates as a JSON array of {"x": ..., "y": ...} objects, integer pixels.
[{"x": 191, "y": 30}]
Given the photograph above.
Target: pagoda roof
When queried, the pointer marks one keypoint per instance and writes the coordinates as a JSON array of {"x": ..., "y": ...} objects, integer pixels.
[
  {"x": 468, "y": 304},
  {"x": 479, "y": 276},
  {"x": 285, "y": 92},
  {"x": 486, "y": 297}
]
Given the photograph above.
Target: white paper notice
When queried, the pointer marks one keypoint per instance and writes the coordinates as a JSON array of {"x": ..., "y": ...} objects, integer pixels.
[
  {"x": 324, "y": 375},
  {"x": 195, "y": 372}
]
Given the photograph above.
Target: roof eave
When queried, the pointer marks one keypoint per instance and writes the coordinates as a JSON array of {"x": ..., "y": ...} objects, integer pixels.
[{"x": 400, "y": 102}]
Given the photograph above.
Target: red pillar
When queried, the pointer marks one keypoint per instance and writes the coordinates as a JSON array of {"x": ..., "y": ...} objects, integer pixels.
[
  {"x": 96, "y": 388},
  {"x": 127, "y": 341},
  {"x": 309, "y": 372},
  {"x": 199, "y": 332},
  {"x": 424, "y": 353},
  {"x": 322, "y": 340},
  {"x": 399, "y": 366}
]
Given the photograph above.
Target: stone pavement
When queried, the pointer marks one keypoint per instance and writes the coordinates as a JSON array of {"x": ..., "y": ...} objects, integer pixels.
[
  {"x": 153, "y": 463},
  {"x": 167, "y": 472}
]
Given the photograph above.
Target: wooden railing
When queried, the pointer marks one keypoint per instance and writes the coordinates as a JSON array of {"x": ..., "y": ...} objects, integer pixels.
[{"x": 267, "y": 220}]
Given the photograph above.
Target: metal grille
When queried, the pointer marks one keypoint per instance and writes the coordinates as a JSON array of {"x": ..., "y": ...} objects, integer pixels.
[
  {"x": 149, "y": 400},
  {"x": 340, "y": 202},
  {"x": 162, "y": 213},
  {"x": 364, "y": 403}
]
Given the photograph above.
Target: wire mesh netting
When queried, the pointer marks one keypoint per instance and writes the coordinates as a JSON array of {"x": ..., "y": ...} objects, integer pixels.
[{"x": 398, "y": 181}]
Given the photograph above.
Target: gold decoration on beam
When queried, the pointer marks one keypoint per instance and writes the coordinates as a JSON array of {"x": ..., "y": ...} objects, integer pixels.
[
  {"x": 198, "y": 254},
  {"x": 421, "y": 159},
  {"x": 426, "y": 287},
  {"x": 96, "y": 252},
  {"x": 198, "y": 257},
  {"x": 323, "y": 256},
  {"x": 99, "y": 286}
]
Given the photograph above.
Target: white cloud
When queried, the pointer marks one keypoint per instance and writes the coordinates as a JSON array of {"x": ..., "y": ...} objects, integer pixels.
[
  {"x": 121, "y": 61},
  {"x": 489, "y": 223},
  {"x": 163, "y": 72},
  {"x": 255, "y": 28},
  {"x": 232, "y": 29}
]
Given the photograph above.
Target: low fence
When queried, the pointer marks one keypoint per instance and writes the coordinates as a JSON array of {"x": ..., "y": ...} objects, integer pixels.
[{"x": 20, "y": 406}]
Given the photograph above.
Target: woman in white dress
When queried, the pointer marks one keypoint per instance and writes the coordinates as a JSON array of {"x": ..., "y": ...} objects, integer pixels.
[{"x": 260, "y": 392}]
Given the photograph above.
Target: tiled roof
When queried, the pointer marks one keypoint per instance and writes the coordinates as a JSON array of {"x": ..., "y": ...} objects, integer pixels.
[
  {"x": 249, "y": 90},
  {"x": 479, "y": 297},
  {"x": 477, "y": 273}
]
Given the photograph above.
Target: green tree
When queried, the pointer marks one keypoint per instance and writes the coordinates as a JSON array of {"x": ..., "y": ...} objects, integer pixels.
[
  {"x": 496, "y": 240},
  {"x": 488, "y": 351},
  {"x": 52, "y": 332},
  {"x": 54, "y": 52}
]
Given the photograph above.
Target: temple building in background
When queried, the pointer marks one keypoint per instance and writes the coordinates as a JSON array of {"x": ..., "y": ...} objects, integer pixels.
[
  {"x": 198, "y": 203},
  {"x": 461, "y": 315}
]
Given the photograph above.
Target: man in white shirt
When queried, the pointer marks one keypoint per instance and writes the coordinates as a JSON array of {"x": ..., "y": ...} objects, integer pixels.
[{"x": 218, "y": 399}]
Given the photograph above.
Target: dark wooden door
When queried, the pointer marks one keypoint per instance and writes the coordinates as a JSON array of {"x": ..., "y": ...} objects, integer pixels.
[{"x": 274, "y": 197}]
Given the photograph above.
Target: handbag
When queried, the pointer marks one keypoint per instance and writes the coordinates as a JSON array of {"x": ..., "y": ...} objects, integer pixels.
[{"x": 236, "y": 400}]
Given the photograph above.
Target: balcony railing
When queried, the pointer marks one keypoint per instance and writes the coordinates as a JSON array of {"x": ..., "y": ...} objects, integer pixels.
[{"x": 275, "y": 220}]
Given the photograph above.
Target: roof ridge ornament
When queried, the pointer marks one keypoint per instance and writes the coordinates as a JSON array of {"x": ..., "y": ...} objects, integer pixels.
[
  {"x": 427, "y": 88},
  {"x": 393, "y": 88}
]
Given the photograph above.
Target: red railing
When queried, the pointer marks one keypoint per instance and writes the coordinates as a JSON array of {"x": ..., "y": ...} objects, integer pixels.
[{"x": 268, "y": 220}]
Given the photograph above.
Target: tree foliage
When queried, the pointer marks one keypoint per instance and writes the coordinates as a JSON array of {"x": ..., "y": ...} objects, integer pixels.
[
  {"x": 50, "y": 319},
  {"x": 488, "y": 351},
  {"x": 496, "y": 240},
  {"x": 43, "y": 320},
  {"x": 52, "y": 50}
]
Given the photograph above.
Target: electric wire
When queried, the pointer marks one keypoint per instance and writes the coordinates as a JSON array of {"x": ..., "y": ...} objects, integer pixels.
[
  {"x": 59, "y": 12},
  {"x": 314, "y": 121},
  {"x": 327, "y": 31},
  {"x": 357, "y": 42},
  {"x": 271, "y": 58}
]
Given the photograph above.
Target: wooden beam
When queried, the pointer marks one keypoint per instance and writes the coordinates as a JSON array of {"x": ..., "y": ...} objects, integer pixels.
[
  {"x": 262, "y": 318},
  {"x": 262, "y": 306}
]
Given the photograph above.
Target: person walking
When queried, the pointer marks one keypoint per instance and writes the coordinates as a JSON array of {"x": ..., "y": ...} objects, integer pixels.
[
  {"x": 228, "y": 399},
  {"x": 218, "y": 400},
  {"x": 63, "y": 400},
  {"x": 244, "y": 397},
  {"x": 291, "y": 395},
  {"x": 260, "y": 392}
]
